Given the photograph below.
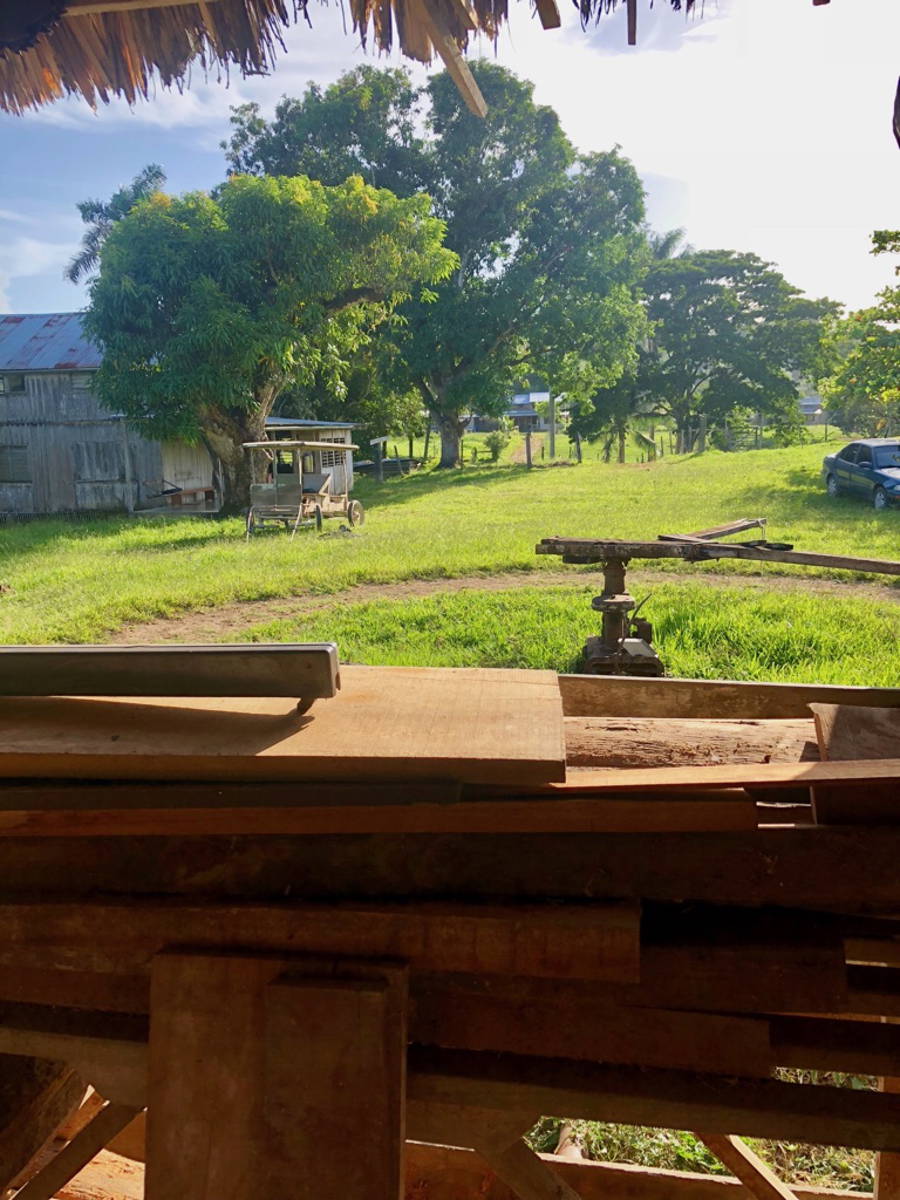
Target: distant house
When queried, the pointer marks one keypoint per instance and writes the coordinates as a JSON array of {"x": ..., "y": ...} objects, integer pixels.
[
  {"x": 527, "y": 410},
  {"x": 62, "y": 452},
  {"x": 813, "y": 410}
]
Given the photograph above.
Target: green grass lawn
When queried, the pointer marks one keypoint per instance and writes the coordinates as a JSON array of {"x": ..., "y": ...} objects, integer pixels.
[
  {"x": 701, "y": 632},
  {"x": 82, "y": 580}
]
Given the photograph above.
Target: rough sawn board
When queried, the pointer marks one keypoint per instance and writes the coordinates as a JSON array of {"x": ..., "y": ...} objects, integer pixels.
[{"x": 387, "y": 723}]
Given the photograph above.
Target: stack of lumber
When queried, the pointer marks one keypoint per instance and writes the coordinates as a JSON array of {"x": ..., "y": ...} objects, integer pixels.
[{"x": 430, "y": 911}]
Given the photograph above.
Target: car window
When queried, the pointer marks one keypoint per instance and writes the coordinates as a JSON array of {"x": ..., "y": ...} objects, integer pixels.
[
  {"x": 848, "y": 454},
  {"x": 864, "y": 456},
  {"x": 888, "y": 456}
]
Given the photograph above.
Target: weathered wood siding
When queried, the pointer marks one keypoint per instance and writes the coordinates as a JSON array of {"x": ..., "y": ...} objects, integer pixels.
[
  {"x": 80, "y": 457},
  {"x": 187, "y": 466}
]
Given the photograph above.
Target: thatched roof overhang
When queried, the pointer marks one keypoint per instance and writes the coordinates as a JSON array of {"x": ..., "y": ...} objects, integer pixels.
[{"x": 104, "y": 48}]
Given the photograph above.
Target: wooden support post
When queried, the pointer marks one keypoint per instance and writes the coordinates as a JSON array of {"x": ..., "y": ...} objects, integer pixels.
[
  {"x": 528, "y": 447},
  {"x": 521, "y": 1170},
  {"x": 632, "y": 22},
  {"x": 36, "y": 1097},
  {"x": 754, "y": 1174},
  {"x": 887, "y": 1166},
  {"x": 85, "y": 1146},
  {"x": 272, "y": 1076}
]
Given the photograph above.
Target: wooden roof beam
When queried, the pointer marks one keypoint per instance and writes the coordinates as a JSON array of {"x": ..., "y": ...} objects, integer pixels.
[{"x": 446, "y": 46}]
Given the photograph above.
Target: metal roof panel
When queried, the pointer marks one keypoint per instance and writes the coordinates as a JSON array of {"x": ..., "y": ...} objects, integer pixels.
[{"x": 45, "y": 342}]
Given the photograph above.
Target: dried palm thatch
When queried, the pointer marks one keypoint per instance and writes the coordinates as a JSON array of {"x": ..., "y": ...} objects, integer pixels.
[{"x": 104, "y": 48}]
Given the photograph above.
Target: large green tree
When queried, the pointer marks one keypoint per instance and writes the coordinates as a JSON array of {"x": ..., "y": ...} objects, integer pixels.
[
  {"x": 550, "y": 244},
  {"x": 728, "y": 332},
  {"x": 863, "y": 391},
  {"x": 207, "y": 307}
]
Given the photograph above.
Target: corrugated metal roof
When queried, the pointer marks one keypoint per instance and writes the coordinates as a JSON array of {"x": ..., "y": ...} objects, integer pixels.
[
  {"x": 45, "y": 342},
  {"x": 305, "y": 423}
]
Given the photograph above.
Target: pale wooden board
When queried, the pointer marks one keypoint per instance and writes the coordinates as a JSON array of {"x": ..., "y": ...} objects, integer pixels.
[
  {"x": 475, "y": 726},
  {"x": 844, "y": 732},
  {"x": 848, "y": 734}
]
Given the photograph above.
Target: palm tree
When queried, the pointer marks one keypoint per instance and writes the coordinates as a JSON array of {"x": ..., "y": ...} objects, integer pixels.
[{"x": 101, "y": 215}]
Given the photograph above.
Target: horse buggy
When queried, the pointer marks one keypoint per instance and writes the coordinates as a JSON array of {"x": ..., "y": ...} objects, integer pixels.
[{"x": 303, "y": 483}]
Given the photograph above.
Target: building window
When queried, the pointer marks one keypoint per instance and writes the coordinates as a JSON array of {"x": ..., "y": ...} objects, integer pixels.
[
  {"x": 14, "y": 465},
  {"x": 332, "y": 458},
  {"x": 12, "y": 385}
]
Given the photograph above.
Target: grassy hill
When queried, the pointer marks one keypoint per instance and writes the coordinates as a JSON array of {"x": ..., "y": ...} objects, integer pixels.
[{"x": 82, "y": 580}]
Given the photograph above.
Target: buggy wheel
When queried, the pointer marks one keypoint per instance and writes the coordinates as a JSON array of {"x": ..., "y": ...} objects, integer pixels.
[
  {"x": 879, "y": 499},
  {"x": 356, "y": 514},
  {"x": 832, "y": 487},
  {"x": 319, "y": 518},
  {"x": 251, "y": 523}
]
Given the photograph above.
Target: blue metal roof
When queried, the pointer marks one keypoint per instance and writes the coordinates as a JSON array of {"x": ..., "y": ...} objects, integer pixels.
[{"x": 45, "y": 342}]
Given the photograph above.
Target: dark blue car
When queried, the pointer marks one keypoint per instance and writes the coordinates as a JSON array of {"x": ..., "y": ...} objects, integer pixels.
[{"x": 869, "y": 468}]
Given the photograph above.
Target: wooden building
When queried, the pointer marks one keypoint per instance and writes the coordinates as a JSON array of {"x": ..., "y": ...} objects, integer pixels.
[{"x": 62, "y": 452}]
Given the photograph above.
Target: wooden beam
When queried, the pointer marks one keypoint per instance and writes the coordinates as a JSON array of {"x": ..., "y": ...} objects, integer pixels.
[
  {"x": 447, "y": 1173},
  {"x": 596, "y": 941},
  {"x": 829, "y": 868},
  {"x": 672, "y": 1099},
  {"x": 36, "y": 1097},
  {"x": 675, "y": 741},
  {"x": 590, "y": 550},
  {"x": 631, "y": 6},
  {"x": 621, "y": 696},
  {"x": 284, "y": 1066},
  {"x": 713, "y": 810},
  {"x": 82, "y": 8},
  {"x": 854, "y": 1047},
  {"x": 524, "y": 1172},
  {"x": 756, "y": 1176},
  {"x": 749, "y": 775},
  {"x": 548, "y": 13},
  {"x": 308, "y": 671},
  {"x": 446, "y": 46},
  {"x": 77, "y": 1153},
  {"x": 887, "y": 1166}
]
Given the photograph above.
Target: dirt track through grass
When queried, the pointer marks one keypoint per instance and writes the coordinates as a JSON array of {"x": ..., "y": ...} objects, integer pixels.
[{"x": 232, "y": 620}]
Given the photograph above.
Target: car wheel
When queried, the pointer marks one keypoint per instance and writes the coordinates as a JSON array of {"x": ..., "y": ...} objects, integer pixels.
[
  {"x": 832, "y": 486},
  {"x": 879, "y": 498}
]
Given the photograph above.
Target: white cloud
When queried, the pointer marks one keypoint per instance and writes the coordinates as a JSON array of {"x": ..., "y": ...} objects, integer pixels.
[{"x": 23, "y": 257}]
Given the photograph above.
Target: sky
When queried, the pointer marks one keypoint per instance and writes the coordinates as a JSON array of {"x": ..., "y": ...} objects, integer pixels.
[{"x": 760, "y": 125}]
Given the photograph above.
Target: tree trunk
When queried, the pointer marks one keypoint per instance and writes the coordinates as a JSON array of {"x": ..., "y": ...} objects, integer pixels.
[
  {"x": 451, "y": 429},
  {"x": 621, "y": 437},
  {"x": 225, "y": 432}
]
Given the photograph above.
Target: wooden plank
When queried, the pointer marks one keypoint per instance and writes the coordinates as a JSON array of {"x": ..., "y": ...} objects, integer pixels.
[
  {"x": 668, "y": 741},
  {"x": 548, "y": 14},
  {"x": 589, "y": 550},
  {"x": 264, "y": 1076},
  {"x": 644, "y": 1096},
  {"x": 335, "y": 1070},
  {"x": 112, "y": 1177},
  {"x": 589, "y": 941},
  {"x": 388, "y": 723},
  {"x": 621, "y": 696},
  {"x": 75, "y": 1156},
  {"x": 845, "y": 732},
  {"x": 742, "y": 525},
  {"x": 887, "y": 1166},
  {"x": 308, "y": 671},
  {"x": 871, "y": 1048},
  {"x": 755, "y": 775},
  {"x": 828, "y": 868},
  {"x": 447, "y": 1173},
  {"x": 522, "y": 1170},
  {"x": 35, "y": 1098},
  {"x": 722, "y": 810},
  {"x": 446, "y": 46},
  {"x": 757, "y": 1177},
  {"x": 518, "y": 1016}
]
